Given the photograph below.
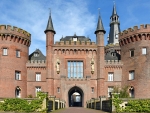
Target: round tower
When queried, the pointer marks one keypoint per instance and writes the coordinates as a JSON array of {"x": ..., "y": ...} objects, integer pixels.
[
  {"x": 14, "y": 44},
  {"x": 135, "y": 54}
]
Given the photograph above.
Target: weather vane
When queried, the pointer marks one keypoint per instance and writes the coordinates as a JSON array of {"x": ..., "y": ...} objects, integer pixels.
[
  {"x": 114, "y": 1},
  {"x": 99, "y": 11},
  {"x": 49, "y": 11}
]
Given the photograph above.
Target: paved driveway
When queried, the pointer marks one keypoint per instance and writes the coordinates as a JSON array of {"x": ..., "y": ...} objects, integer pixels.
[{"x": 77, "y": 110}]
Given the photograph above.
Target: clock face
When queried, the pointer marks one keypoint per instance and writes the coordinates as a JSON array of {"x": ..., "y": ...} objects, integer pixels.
[{"x": 116, "y": 35}]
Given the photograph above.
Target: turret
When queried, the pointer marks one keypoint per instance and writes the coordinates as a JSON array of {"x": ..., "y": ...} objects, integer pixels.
[
  {"x": 50, "y": 32},
  {"x": 114, "y": 27},
  {"x": 14, "y": 44},
  {"x": 100, "y": 31}
]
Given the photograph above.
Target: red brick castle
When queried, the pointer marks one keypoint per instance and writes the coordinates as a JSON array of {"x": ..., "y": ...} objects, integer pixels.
[{"x": 75, "y": 68}]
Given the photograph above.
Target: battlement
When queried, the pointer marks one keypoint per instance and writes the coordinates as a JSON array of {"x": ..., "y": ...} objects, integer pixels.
[
  {"x": 134, "y": 34},
  {"x": 113, "y": 63},
  {"x": 63, "y": 43},
  {"x": 8, "y": 29},
  {"x": 142, "y": 29},
  {"x": 36, "y": 63}
]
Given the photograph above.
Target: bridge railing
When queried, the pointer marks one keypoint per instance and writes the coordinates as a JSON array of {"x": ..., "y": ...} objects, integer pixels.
[{"x": 95, "y": 103}]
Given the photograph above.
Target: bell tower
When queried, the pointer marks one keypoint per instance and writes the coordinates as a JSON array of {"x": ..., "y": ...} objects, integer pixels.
[{"x": 114, "y": 27}]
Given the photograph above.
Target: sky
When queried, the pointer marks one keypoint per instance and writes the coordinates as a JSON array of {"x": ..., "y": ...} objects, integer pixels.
[{"x": 70, "y": 17}]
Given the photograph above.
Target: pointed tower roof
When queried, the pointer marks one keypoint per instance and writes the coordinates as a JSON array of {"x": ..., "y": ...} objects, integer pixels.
[
  {"x": 114, "y": 10},
  {"x": 100, "y": 25},
  {"x": 50, "y": 25}
]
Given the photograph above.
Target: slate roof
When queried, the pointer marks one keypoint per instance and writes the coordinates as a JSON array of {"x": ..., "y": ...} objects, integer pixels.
[
  {"x": 50, "y": 25},
  {"x": 79, "y": 38},
  {"x": 100, "y": 26},
  {"x": 112, "y": 55},
  {"x": 39, "y": 56}
]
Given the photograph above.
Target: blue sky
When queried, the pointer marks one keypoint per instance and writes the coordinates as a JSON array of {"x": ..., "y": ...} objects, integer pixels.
[{"x": 70, "y": 16}]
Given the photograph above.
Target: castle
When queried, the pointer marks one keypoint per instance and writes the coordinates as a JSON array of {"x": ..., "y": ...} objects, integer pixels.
[{"x": 75, "y": 68}]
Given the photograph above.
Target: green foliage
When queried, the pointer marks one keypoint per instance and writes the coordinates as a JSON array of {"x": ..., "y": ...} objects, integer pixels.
[
  {"x": 138, "y": 106},
  {"x": 21, "y": 105},
  {"x": 123, "y": 92},
  {"x": 30, "y": 96},
  {"x": 116, "y": 102},
  {"x": 132, "y": 106}
]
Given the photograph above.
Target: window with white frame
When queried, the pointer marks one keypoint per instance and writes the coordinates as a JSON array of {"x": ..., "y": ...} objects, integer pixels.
[
  {"x": 37, "y": 89},
  {"x": 5, "y": 51},
  {"x": 38, "y": 76},
  {"x": 144, "y": 51},
  {"x": 17, "y": 75},
  {"x": 75, "y": 69},
  {"x": 58, "y": 89},
  {"x": 92, "y": 89},
  {"x": 110, "y": 90},
  {"x": 17, "y": 53},
  {"x": 132, "y": 53},
  {"x": 110, "y": 76},
  {"x": 131, "y": 75}
]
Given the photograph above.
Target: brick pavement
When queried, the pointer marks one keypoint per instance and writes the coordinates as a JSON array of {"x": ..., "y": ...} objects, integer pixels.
[{"x": 77, "y": 110}]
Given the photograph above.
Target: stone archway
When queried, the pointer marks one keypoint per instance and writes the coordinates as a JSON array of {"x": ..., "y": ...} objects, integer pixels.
[{"x": 75, "y": 97}]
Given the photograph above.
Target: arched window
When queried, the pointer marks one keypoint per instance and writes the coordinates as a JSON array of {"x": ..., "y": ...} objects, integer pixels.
[
  {"x": 18, "y": 92},
  {"x": 131, "y": 91}
]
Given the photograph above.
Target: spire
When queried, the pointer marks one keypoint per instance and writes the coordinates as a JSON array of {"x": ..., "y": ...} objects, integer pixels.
[
  {"x": 114, "y": 10},
  {"x": 100, "y": 25},
  {"x": 50, "y": 25},
  {"x": 114, "y": 27}
]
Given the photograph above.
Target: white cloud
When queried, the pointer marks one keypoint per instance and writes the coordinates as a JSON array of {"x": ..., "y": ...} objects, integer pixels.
[{"x": 68, "y": 17}]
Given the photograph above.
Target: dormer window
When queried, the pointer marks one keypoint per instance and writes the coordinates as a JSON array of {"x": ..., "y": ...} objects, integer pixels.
[
  {"x": 36, "y": 54},
  {"x": 75, "y": 39}
]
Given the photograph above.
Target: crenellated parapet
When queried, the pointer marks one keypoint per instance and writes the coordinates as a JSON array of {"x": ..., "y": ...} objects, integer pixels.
[
  {"x": 75, "y": 51},
  {"x": 113, "y": 63},
  {"x": 36, "y": 63},
  {"x": 134, "y": 34},
  {"x": 77, "y": 43},
  {"x": 12, "y": 33}
]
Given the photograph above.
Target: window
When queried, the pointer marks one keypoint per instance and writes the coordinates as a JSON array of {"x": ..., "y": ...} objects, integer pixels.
[
  {"x": 131, "y": 75},
  {"x": 112, "y": 54},
  {"x": 144, "y": 51},
  {"x": 17, "y": 75},
  {"x": 75, "y": 69},
  {"x": 38, "y": 76},
  {"x": 92, "y": 89},
  {"x": 37, "y": 89},
  {"x": 18, "y": 92},
  {"x": 131, "y": 91},
  {"x": 75, "y": 39},
  {"x": 131, "y": 53},
  {"x": 36, "y": 54},
  {"x": 5, "y": 51},
  {"x": 110, "y": 90},
  {"x": 58, "y": 89},
  {"x": 17, "y": 53},
  {"x": 110, "y": 76}
]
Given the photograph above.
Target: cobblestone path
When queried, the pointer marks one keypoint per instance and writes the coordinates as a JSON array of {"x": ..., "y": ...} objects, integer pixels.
[{"x": 77, "y": 110}]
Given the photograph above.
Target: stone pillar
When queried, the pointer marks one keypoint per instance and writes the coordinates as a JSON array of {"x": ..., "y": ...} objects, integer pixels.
[
  {"x": 52, "y": 98},
  {"x": 101, "y": 100}
]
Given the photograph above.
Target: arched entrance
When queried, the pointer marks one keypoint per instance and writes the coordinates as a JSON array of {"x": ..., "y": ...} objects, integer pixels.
[{"x": 75, "y": 97}]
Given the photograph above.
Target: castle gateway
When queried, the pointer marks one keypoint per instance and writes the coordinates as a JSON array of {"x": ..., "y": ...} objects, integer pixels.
[{"x": 75, "y": 68}]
